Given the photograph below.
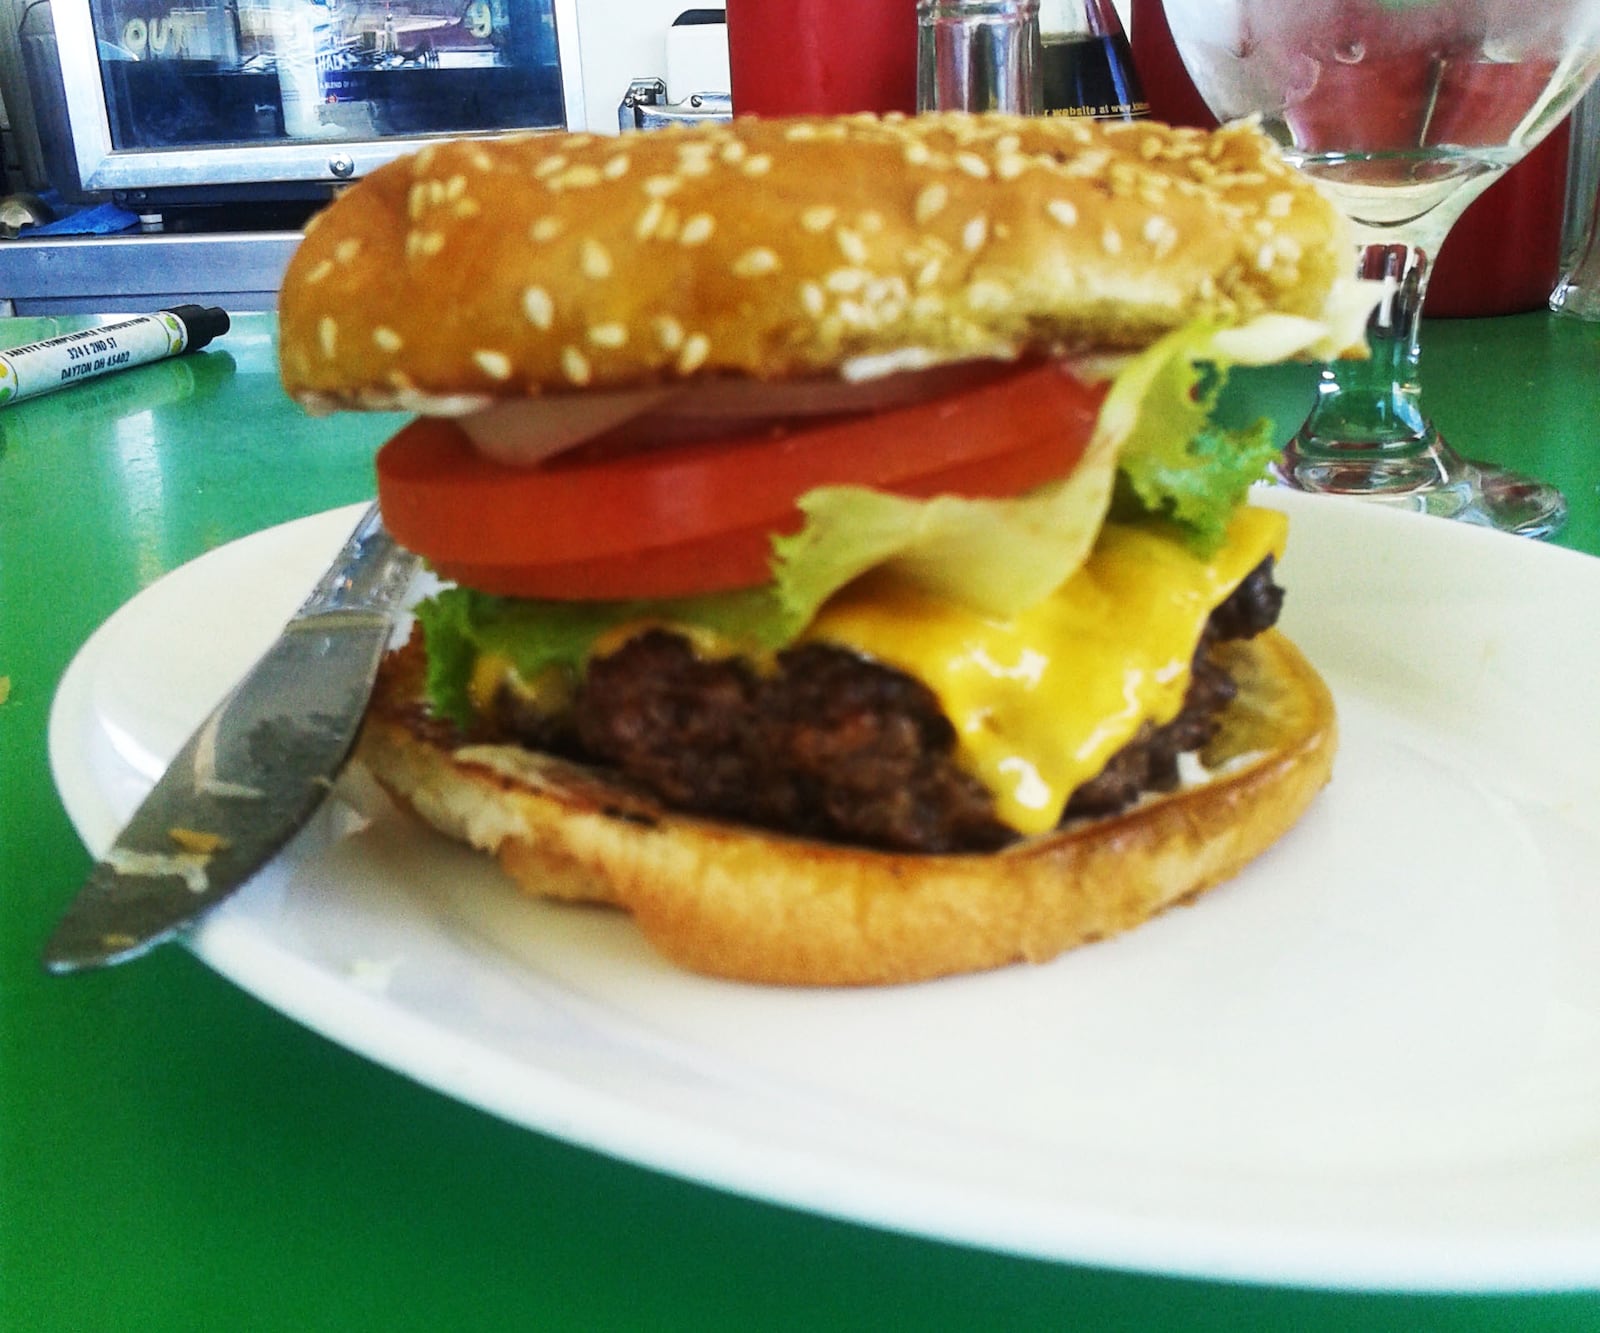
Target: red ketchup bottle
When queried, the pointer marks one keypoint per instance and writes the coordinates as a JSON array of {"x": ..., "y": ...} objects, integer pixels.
[
  {"x": 815, "y": 57},
  {"x": 1167, "y": 86}
]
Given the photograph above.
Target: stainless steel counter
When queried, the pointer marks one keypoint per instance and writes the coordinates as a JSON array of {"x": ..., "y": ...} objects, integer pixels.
[{"x": 133, "y": 273}]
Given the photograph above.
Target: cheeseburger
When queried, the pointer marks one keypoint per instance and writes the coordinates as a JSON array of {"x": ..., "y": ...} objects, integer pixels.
[{"x": 840, "y": 572}]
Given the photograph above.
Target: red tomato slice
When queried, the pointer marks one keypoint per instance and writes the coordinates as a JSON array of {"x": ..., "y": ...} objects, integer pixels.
[
  {"x": 693, "y": 518},
  {"x": 720, "y": 562}
]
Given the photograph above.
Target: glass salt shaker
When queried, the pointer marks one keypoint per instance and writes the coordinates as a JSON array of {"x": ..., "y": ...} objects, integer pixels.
[{"x": 978, "y": 55}]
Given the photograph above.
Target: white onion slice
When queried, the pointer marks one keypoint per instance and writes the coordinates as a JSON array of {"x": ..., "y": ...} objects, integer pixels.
[{"x": 524, "y": 431}]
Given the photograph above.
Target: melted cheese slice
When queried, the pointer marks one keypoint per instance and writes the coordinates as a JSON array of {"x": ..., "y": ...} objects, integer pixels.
[{"x": 1041, "y": 701}]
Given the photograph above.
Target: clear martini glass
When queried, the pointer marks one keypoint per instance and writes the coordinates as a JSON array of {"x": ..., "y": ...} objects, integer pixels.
[{"x": 1404, "y": 111}]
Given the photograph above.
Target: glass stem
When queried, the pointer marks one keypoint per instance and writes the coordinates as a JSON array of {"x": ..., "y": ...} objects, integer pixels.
[{"x": 1376, "y": 405}]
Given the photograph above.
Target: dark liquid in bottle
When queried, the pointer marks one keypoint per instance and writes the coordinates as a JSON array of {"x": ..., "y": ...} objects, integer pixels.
[{"x": 1091, "y": 76}]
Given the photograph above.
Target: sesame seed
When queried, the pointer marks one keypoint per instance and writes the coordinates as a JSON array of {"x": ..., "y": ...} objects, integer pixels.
[
  {"x": 455, "y": 187},
  {"x": 612, "y": 335},
  {"x": 733, "y": 151},
  {"x": 328, "y": 335},
  {"x": 818, "y": 218},
  {"x": 974, "y": 234},
  {"x": 931, "y": 200},
  {"x": 887, "y": 292},
  {"x": 615, "y": 167},
  {"x": 546, "y": 229},
  {"x": 696, "y": 348},
  {"x": 319, "y": 271},
  {"x": 576, "y": 178},
  {"x": 594, "y": 259},
  {"x": 1266, "y": 256},
  {"x": 669, "y": 333},
  {"x": 853, "y": 314},
  {"x": 800, "y": 133},
  {"x": 988, "y": 294},
  {"x": 812, "y": 300},
  {"x": 496, "y": 365},
  {"x": 649, "y": 220},
  {"x": 846, "y": 280},
  {"x": 538, "y": 307},
  {"x": 1280, "y": 205},
  {"x": 1063, "y": 211},
  {"x": 758, "y": 165},
  {"x": 851, "y": 245},
  {"x": 756, "y": 262},
  {"x": 659, "y": 187},
  {"x": 424, "y": 242},
  {"x": 918, "y": 154},
  {"x": 386, "y": 339},
  {"x": 973, "y": 165},
  {"x": 575, "y": 366},
  {"x": 697, "y": 230},
  {"x": 468, "y": 208},
  {"x": 1111, "y": 240},
  {"x": 549, "y": 166},
  {"x": 1010, "y": 166},
  {"x": 667, "y": 227},
  {"x": 1160, "y": 234}
]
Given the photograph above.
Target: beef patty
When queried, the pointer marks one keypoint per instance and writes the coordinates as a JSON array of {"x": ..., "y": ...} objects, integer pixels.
[{"x": 832, "y": 745}]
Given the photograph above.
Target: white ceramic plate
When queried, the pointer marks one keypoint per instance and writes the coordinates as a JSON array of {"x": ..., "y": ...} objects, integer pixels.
[{"x": 1371, "y": 1060}]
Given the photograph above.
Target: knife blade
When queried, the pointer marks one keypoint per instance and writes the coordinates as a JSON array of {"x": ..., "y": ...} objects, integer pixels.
[{"x": 253, "y": 772}]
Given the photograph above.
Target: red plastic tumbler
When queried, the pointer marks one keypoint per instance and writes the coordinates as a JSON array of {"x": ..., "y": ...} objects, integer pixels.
[{"x": 819, "y": 57}]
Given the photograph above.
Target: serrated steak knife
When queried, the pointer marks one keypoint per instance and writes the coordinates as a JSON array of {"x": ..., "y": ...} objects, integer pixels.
[{"x": 254, "y": 772}]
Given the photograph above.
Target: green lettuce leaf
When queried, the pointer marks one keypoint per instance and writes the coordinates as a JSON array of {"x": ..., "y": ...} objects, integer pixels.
[
  {"x": 1173, "y": 462},
  {"x": 537, "y": 635},
  {"x": 996, "y": 556}
]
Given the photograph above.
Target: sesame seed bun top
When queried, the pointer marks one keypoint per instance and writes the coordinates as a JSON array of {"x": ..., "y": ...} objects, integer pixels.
[{"x": 500, "y": 268}]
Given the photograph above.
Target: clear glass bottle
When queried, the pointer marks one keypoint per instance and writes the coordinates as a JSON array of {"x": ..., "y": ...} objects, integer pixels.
[{"x": 1086, "y": 64}]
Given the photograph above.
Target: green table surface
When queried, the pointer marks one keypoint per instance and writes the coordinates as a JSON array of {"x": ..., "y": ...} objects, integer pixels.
[{"x": 176, "y": 1155}]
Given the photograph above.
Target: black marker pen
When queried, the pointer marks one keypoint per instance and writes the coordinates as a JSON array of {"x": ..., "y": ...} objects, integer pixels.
[{"x": 57, "y": 363}]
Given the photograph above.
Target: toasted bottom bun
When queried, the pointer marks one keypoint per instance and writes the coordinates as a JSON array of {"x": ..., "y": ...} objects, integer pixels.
[{"x": 746, "y": 903}]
